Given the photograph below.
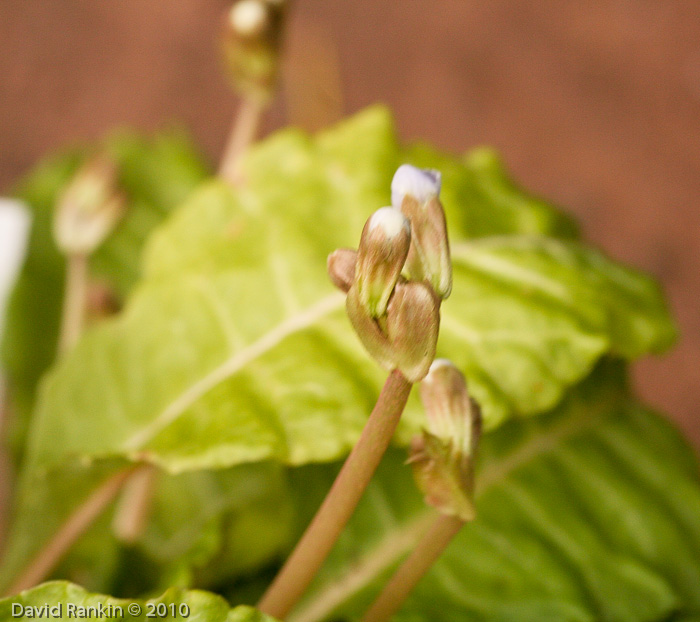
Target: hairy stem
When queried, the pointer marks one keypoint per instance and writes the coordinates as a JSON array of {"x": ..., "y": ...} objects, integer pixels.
[
  {"x": 135, "y": 503},
  {"x": 73, "y": 302},
  {"x": 339, "y": 504},
  {"x": 74, "y": 527},
  {"x": 429, "y": 548},
  {"x": 243, "y": 132}
]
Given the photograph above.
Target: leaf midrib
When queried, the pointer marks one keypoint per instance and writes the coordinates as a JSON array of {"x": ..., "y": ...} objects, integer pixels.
[{"x": 228, "y": 368}]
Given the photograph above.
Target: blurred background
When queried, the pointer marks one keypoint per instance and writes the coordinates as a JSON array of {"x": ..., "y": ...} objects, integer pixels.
[{"x": 595, "y": 106}]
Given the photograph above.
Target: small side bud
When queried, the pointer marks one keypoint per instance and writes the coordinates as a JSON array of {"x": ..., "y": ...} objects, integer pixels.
[
  {"x": 251, "y": 43},
  {"x": 89, "y": 208},
  {"x": 443, "y": 457},
  {"x": 451, "y": 412},
  {"x": 341, "y": 268},
  {"x": 412, "y": 326},
  {"x": 381, "y": 256},
  {"x": 415, "y": 192}
]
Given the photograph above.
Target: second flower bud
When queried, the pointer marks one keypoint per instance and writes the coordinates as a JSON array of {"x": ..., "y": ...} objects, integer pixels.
[{"x": 381, "y": 256}]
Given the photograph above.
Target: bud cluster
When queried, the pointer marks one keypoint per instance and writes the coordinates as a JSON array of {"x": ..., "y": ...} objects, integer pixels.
[
  {"x": 443, "y": 456},
  {"x": 251, "y": 41},
  {"x": 89, "y": 208},
  {"x": 396, "y": 318}
]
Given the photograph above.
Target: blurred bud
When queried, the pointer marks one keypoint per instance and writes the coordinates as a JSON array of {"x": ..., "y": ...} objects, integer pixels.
[
  {"x": 89, "y": 208},
  {"x": 341, "y": 268},
  {"x": 412, "y": 326},
  {"x": 251, "y": 46},
  {"x": 415, "y": 192},
  {"x": 381, "y": 256},
  {"x": 443, "y": 457}
]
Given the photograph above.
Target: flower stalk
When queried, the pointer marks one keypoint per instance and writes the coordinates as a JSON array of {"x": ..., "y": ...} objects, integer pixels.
[
  {"x": 336, "y": 509},
  {"x": 428, "y": 550},
  {"x": 135, "y": 505},
  {"x": 74, "y": 527},
  {"x": 443, "y": 466},
  {"x": 251, "y": 47},
  {"x": 86, "y": 213}
]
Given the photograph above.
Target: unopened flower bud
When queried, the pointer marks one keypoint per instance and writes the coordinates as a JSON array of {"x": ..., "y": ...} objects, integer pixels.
[
  {"x": 373, "y": 338},
  {"x": 341, "y": 268},
  {"x": 251, "y": 42},
  {"x": 443, "y": 457},
  {"x": 381, "y": 256},
  {"x": 451, "y": 412},
  {"x": 415, "y": 192},
  {"x": 89, "y": 208},
  {"x": 412, "y": 326}
]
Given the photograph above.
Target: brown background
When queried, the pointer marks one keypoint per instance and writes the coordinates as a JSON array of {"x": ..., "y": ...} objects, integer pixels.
[{"x": 594, "y": 105}]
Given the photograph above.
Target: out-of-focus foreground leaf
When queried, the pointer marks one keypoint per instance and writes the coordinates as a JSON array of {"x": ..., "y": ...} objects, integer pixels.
[
  {"x": 588, "y": 513},
  {"x": 75, "y": 602},
  {"x": 156, "y": 175},
  {"x": 236, "y": 348}
]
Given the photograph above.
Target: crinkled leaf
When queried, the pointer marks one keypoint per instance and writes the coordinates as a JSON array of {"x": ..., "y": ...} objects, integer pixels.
[
  {"x": 198, "y": 605},
  {"x": 156, "y": 174},
  {"x": 589, "y": 513}
]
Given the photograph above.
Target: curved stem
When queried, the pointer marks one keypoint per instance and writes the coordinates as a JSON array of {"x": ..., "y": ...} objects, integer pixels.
[
  {"x": 74, "y": 527},
  {"x": 340, "y": 502},
  {"x": 243, "y": 132},
  {"x": 430, "y": 547},
  {"x": 73, "y": 302}
]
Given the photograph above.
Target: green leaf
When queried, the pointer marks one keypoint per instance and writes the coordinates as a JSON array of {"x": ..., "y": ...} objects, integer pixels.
[
  {"x": 589, "y": 513},
  {"x": 74, "y": 602},
  {"x": 235, "y": 346},
  {"x": 157, "y": 174}
]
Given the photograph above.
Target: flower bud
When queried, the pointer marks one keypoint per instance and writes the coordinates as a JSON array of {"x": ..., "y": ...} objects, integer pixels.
[
  {"x": 443, "y": 457},
  {"x": 341, "y": 268},
  {"x": 412, "y": 326},
  {"x": 368, "y": 330},
  {"x": 89, "y": 208},
  {"x": 381, "y": 256},
  {"x": 251, "y": 42},
  {"x": 452, "y": 413},
  {"x": 415, "y": 192}
]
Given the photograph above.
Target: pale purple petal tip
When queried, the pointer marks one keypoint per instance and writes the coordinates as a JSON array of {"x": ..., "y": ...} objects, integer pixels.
[{"x": 423, "y": 184}]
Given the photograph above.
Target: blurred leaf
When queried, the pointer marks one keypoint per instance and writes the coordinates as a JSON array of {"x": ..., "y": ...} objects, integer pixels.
[
  {"x": 236, "y": 348},
  {"x": 589, "y": 513},
  {"x": 201, "y": 606},
  {"x": 156, "y": 174},
  {"x": 204, "y": 527}
]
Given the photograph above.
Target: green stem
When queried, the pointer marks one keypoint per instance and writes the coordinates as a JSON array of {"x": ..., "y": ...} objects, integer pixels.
[
  {"x": 339, "y": 504},
  {"x": 245, "y": 128},
  {"x": 73, "y": 527},
  {"x": 73, "y": 302},
  {"x": 430, "y": 547}
]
